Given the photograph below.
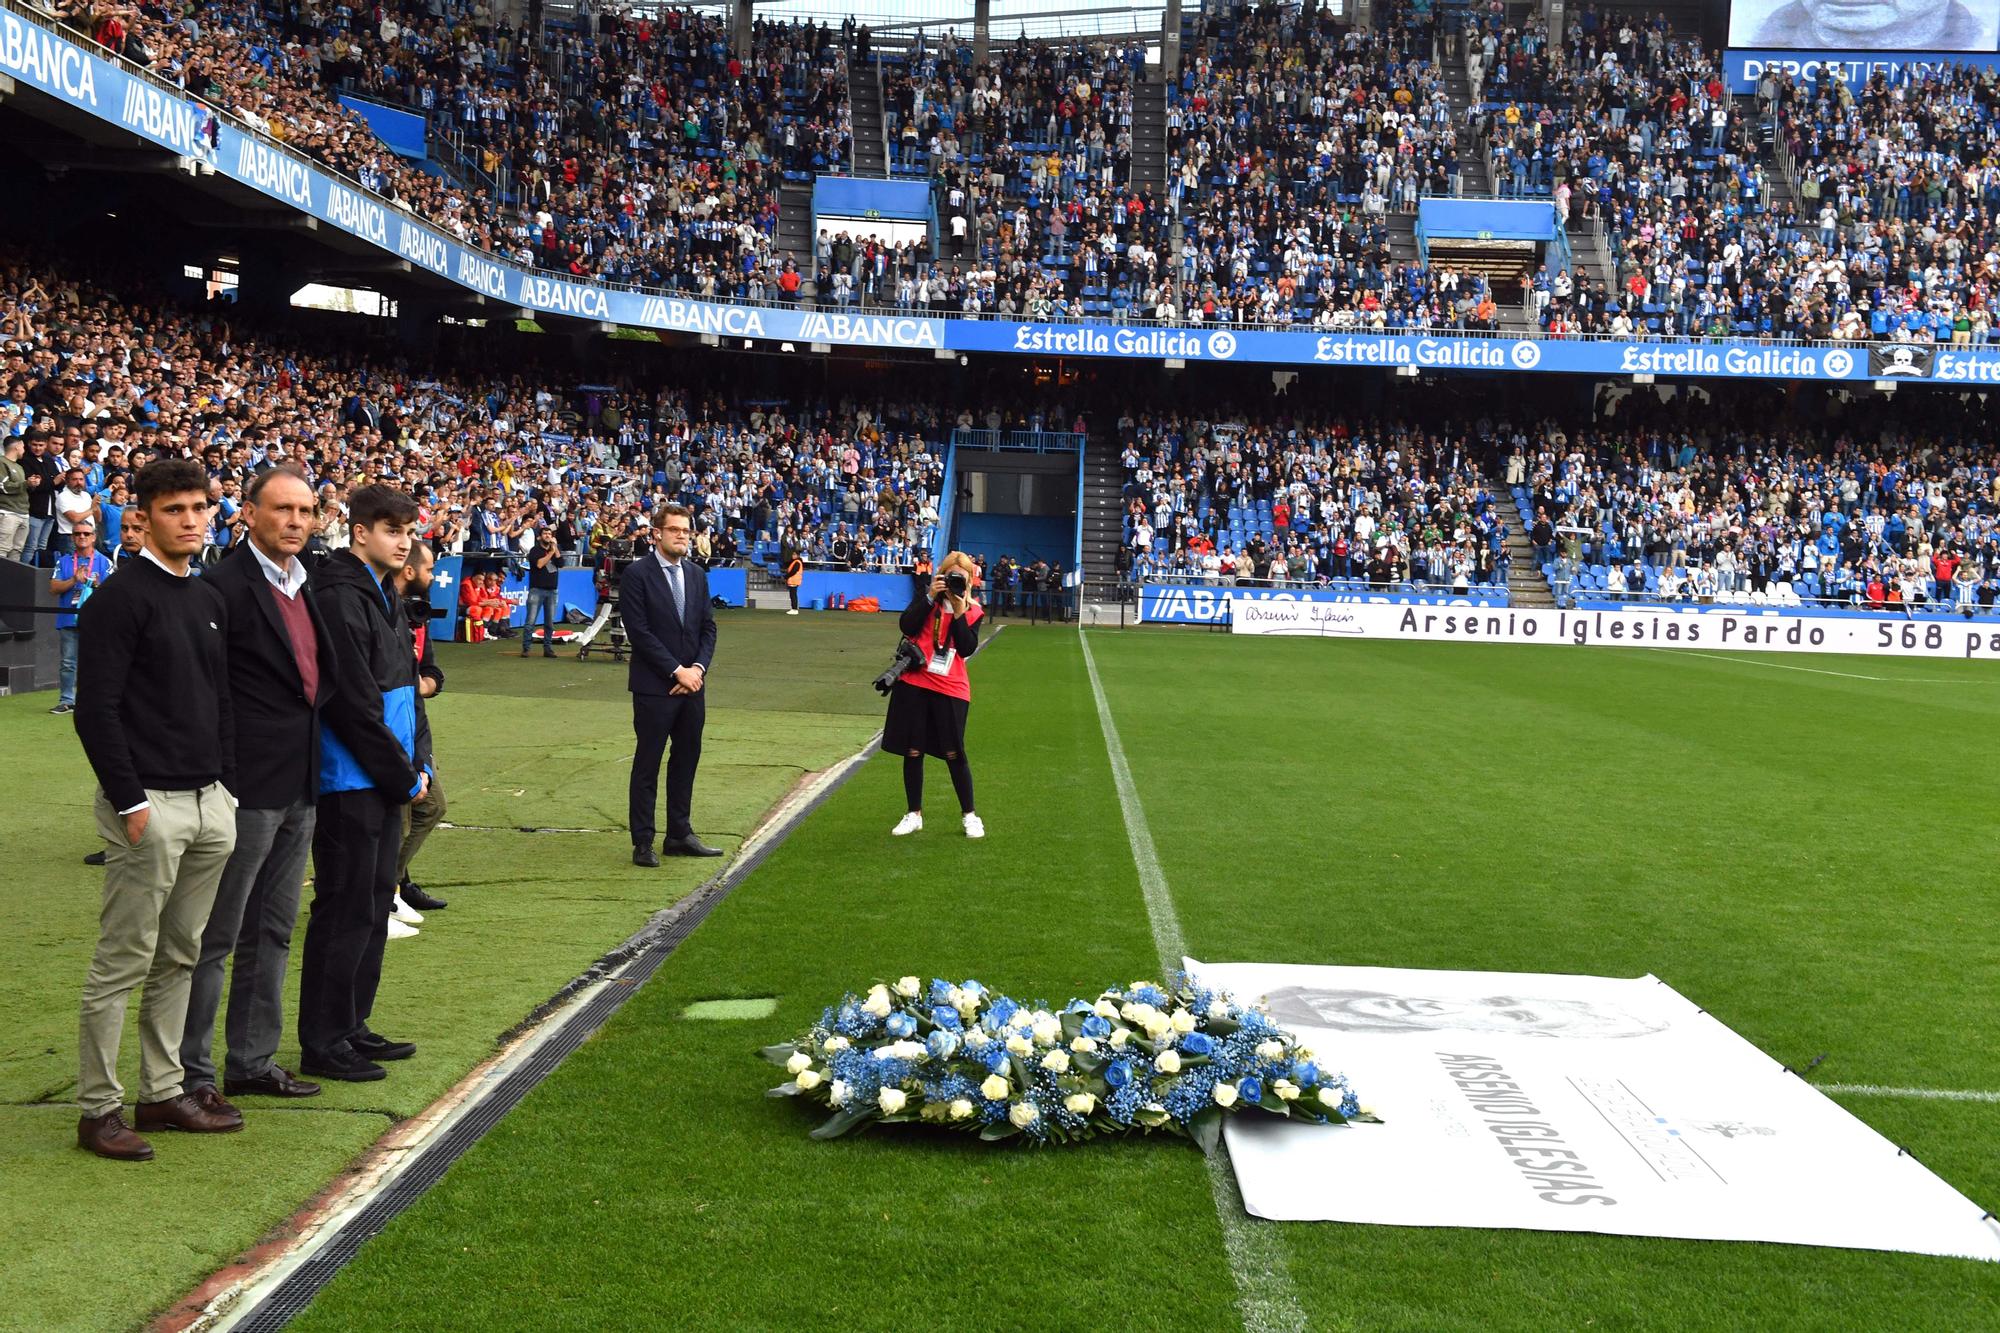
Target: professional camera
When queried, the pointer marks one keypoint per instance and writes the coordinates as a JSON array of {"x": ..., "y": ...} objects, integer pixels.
[
  {"x": 907, "y": 655},
  {"x": 956, "y": 584},
  {"x": 418, "y": 610}
]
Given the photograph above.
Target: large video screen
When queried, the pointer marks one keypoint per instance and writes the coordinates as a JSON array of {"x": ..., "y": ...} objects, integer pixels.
[{"x": 1866, "y": 25}]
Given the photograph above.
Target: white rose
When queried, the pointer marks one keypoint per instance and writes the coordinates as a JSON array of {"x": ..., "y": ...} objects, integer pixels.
[
  {"x": 1365, "y": 1108},
  {"x": 1048, "y": 1032},
  {"x": 808, "y": 1079},
  {"x": 1083, "y": 1045},
  {"x": 1105, "y": 1009},
  {"x": 975, "y": 1038},
  {"x": 1020, "y": 1045},
  {"x": 1270, "y": 1050},
  {"x": 967, "y": 1003},
  {"x": 961, "y": 1109},
  {"x": 800, "y": 1060},
  {"x": 1157, "y": 1024},
  {"x": 891, "y": 1100},
  {"x": 954, "y": 997},
  {"x": 1329, "y": 1097},
  {"x": 1287, "y": 1090},
  {"x": 838, "y": 1093},
  {"x": 1218, "y": 1010},
  {"x": 1183, "y": 1020},
  {"x": 1021, "y": 1019},
  {"x": 835, "y": 1045},
  {"x": 1225, "y": 1094},
  {"x": 1023, "y": 1114},
  {"x": 1080, "y": 1103},
  {"x": 908, "y": 1050},
  {"x": 1169, "y": 1062},
  {"x": 878, "y": 1002},
  {"x": 1056, "y": 1062},
  {"x": 1119, "y": 1036},
  {"x": 909, "y": 988},
  {"x": 994, "y": 1088}
]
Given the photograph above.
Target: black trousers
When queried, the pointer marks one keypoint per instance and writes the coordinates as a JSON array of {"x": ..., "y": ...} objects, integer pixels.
[
  {"x": 354, "y": 884},
  {"x": 656, "y": 719}
]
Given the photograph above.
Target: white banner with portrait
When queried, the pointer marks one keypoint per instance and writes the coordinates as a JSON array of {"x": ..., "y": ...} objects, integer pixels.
[
  {"x": 1708, "y": 627},
  {"x": 1565, "y": 1103}
]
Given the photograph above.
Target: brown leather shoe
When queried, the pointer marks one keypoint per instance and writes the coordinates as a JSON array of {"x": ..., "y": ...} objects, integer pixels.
[
  {"x": 184, "y": 1112},
  {"x": 278, "y": 1083},
  {"x": 211, "y": 1101},
  {"x": 108, "y": 1135}
]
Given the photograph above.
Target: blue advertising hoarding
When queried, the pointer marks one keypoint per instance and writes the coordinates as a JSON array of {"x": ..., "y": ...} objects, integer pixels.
[
  {"x": 1208, "y": 603},
  {"x": 1742, "y": 68},
  {"x": 49, "y": 61}
]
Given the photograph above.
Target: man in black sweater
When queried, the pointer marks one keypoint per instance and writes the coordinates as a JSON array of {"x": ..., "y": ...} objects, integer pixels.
[
  {"x": 156, "y": 720},
  {"x": 375, "y": 758}
]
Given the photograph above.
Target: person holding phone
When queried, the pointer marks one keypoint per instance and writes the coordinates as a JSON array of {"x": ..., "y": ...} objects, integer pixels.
[{"x": 929, "y": 702}]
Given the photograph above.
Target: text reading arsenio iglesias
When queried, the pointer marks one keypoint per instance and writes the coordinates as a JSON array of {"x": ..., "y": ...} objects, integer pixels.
[{"x": 1555, "y": 1171}]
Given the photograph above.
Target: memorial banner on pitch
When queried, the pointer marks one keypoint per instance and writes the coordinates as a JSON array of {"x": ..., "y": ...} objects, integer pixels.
[
  {"x": 1566, "y": 1103},
  {"x": 1709, "y": 627}
]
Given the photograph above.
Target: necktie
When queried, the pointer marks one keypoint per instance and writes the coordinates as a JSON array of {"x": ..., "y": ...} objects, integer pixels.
[{"x": 674, "y": 586}]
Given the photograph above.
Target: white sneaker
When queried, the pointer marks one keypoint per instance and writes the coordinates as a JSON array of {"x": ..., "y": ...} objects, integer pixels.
[
  {"x": 794, "y": 611},
  {"x": 912, "y": 823},
  {"x": 398, "y": 930},
  {"x": 405, "y": 913},
  {"x": 975, "y": 827}
]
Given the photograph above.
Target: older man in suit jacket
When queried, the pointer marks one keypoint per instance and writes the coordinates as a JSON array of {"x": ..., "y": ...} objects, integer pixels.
[
  {"x": 280, "y": 672},
  {"x": 663, "y": 599}
]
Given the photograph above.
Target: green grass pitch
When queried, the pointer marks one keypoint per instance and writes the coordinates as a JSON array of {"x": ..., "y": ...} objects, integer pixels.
[{"x": 1805, "y": 854}]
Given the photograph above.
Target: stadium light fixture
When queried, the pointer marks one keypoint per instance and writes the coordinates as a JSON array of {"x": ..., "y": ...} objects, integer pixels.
[
  {"x": 1643, "y": 377},
  {"x": 822, "y": 349},
  {"x": 1407, "y": 372}
]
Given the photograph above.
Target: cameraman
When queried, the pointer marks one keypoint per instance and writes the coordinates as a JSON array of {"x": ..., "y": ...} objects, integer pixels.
[{"x": 930, "y": 699}]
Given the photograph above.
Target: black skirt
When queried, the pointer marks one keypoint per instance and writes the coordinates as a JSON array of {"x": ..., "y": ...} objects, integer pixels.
[{"x": 924, "y": 720}]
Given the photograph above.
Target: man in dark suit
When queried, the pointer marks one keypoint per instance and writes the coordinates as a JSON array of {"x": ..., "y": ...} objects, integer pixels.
[
  {"x": 280, "y": 666},
  {"x": 663, "y": 598}
]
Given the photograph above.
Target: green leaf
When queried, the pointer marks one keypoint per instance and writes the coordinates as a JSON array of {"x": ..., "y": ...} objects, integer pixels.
[
  {"x": 845, "y": 1121},
  {"x": 995, "y": 1132},
  {"x": 777, "y": 1055},
  {"x": 785, "y": 1090},
  {"x": 1206, "y": 1129},
  {"x": 1152, "y": 1119}
]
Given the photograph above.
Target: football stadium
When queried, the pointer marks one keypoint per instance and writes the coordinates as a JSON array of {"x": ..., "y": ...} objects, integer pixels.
[{"x": 1352, "y": 645}]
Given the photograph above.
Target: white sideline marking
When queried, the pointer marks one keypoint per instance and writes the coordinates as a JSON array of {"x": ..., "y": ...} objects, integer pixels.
[
  {"x": 1817, "y": 671},
  {"x": 1264, "y": 1292},
  {"x": 1927, "y": 1094}
]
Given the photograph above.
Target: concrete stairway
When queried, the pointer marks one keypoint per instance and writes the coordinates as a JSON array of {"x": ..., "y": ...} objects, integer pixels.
[{"x": 1101, "y": 522}]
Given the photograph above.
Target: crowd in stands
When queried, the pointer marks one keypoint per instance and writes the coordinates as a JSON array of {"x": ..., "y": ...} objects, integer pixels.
[
  {"x": 95, "y": 380},
  {"x": 1876, "y": 514},
  {"x": 1310, "y": 498}
]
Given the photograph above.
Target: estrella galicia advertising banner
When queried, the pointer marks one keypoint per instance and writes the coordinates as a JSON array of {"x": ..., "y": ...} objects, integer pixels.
[
  {"x": 49, "y": 61},
  {"x": 1706, "y": 627},
  {"x": 1743, "y": 68},
  {"x": 1210, "y": 604}
]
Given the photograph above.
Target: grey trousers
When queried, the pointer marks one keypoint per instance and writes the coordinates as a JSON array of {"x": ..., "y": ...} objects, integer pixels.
[{"x": 255, "y": 908}]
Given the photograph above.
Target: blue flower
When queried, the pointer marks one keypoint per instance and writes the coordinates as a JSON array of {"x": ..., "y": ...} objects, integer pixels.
[
  {"x": 1197, "y": 1043},
  {"x": 1152, "y": 995},
  {"x": 943, "y": 1045},
  {"x": 1077, "y": 1007},
  {"x": 1118, "y": 1075},
  {"x": 1097, "y": 1026},
  {"x": 972, "y": 988},
  {"x": 940, "y": 992},
  {"x": 995, "y": 1057},
  {"x": 1305, "y": 1073},
  {"x": 901, "y": 1025},
  {"x": 1002, "y": 1010},
  {"x": 1250, "y": 1090},
  {"x": 946, "y": 1017}
]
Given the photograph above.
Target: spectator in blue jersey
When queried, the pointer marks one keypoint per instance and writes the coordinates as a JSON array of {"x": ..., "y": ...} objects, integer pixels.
[{"x": 78, "y": 573}]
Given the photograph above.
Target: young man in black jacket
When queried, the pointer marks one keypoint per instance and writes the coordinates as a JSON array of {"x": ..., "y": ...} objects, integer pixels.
[{"x": 375, "y": 758}]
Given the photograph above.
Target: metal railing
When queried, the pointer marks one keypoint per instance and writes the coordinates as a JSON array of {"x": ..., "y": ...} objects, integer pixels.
[{"x": 1020, "y": 441}]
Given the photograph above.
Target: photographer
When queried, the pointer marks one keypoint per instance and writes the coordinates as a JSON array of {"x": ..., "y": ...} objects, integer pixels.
[{"x": 930, "y": 698}]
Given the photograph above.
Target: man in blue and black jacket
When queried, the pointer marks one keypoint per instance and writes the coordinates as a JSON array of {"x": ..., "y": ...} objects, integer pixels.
[{"x": 375, "y": 757}]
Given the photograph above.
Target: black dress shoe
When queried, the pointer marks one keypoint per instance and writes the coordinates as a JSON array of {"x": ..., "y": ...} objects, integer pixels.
[
  {"x": 690, "y": 846},
  {"x": 548, "y": 652},
  {"x": 343, "y": 1064},
  {"x": 375, "y": 1046},
  {"x": 645, "y": 856},
  {"x": 94, "y": 859},
  {"x": 277, "y": 1083},
  {"x": 414, "y": 896}
]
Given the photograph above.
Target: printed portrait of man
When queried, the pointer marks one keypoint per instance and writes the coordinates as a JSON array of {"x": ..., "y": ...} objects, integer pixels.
[
  {"x": 1880, "y": 25},
  {"x": 1518, "y": 1015}
]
